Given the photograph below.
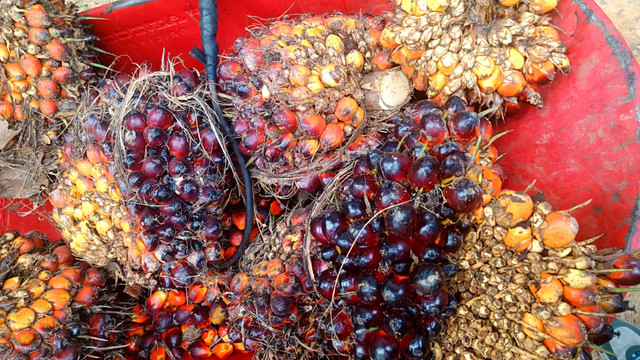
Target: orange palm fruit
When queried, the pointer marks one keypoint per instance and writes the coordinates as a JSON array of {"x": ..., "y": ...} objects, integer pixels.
[
  {"x": 45, "y": 326},
  {"x": 64, "y": 75},
  {"x": 484, "y": 67},
  {"x": 513, "y": 83},
  {"x": 58, "y": 298},
  {"x": 6, "y": 110},
  {"x": 39, "y": 36},
  {"x": 544, "y": 6},
  {"x": 21, "y": 319},
  {"x": 37, "y": 17},
  {"x": 388, "y": 39},
  {"x": 567, "y": 329},
  {"x": 518, "y": 237},
  {"x": 58, "y": 51},
  {"x": 332, "y": 137},
  {"x": 535, "y": 324},
  {"x": 31, "y": 65},
  {"x": 581, "y": 297},
  {"x": 332, "y": 75},
  {"x": 298, "y": 75},
  {"x": 540, "y": 73},
  {"x": 493, "y": 82},
  {"x": 48, "y": 107},
  {"x": 156, "y": 301},
  {"x": 11, "y": 284},
  {"x": 223, "y": 350},
  {"x": 512, "y": 207},
  {"x": 558, "y": 230},
  {"x": 346, "y": 109},
  {"x": 41, "y": 306},
  {"x": 438, "y": 81},
  {"x": 547, "y": 290},
  {"x": 509, "y": 2},
  {"x": 382, "y": 60},
  {"x": 4, "y": 52},
  {"x": 15, "y": 71}
]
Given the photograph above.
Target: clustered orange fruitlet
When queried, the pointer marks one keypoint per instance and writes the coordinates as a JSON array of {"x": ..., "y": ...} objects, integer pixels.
[
  {"x": 528, "y": 289},
  {"x": 145, "y": 180},
  {"x": 493, "y": 52},
  {"x": 44, "y": 62},
  {"x": 303, "y": 89},
  {"x": 53, "y": 306}
]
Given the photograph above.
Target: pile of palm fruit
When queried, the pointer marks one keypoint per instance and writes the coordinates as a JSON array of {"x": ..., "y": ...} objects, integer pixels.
[{"x": 379, "y": 227}]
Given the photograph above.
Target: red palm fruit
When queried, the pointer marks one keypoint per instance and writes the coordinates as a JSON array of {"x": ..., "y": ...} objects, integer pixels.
[
  {"x": 196, "y": 293},
  {"x": 581, "y": 297},
  {"x": 239, "y": 283},
  {"x": 631, "y": 276},
  {"x": 31, "y": 65},
  {"x": 64, "y": 75},
  {"x": 156, "y": 301},
  {"x": 313, "y": 125},
  {"x": 567, "y": 329},
  {"x": 87, "y": 295},
  {"x": 591, "y": 321},
  {"x": 58, "y": 51},
  {"x": 558, "y": 351},
  {"x": 48, "y": 108},
  {"x": 228, "y": 69},
  {"x": 332, "y": 137}
]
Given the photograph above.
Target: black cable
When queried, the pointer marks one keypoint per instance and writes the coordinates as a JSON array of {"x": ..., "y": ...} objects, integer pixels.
[{"x": 208, "y": 33}]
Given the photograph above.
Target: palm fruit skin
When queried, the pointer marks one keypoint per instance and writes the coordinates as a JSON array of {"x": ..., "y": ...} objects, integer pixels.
[
  {"x": 498, "y": 58},
  {"x": 300, "y": 94},
  {"x": 44, "y": 58},
  {"x": 527, "y": 284},
  {"x": 153, "y": 176},
  {"x": 380, "y": 247},
  {"x": 50, "y": 303}
]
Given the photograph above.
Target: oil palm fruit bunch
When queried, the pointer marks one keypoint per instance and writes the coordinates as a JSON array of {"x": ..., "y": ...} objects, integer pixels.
[
  {"x": 45, "y": 66},
  {"x": 150, "y": 141},
  {"x": 493, "y": 52},
  {"x": 527, "y": 289},
  {"x": 382, "y": 239},
  {"x": 53, "y": 306},
  {"x": 303, "y": 89}
]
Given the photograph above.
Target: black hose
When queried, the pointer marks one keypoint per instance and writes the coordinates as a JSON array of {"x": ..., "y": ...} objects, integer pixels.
[{"x": 208, "y": 33}]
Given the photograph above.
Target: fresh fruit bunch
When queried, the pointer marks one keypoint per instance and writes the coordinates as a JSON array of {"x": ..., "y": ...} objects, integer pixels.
[
  {"x": 44, "y": 58},
  {"x": 52, "y": 306},
  {"x": 527, "y": 289},
  {"x": 157, "y": 149},
  {"x": 381, "y": 243},
  {"x": 496, "y": 53},
  {"x": 305, "y": 88}
]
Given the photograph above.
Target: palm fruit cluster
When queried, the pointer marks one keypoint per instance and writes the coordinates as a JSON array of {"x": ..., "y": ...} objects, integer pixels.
[
  {"x": 233, "y": 312},
  {"x": 303, "y": 89},
  {"x": 495, "y": 53},
  {"x": 53, "y": 306},
  {"x": 527, "y": 289},
  {"x": 44, "y": 60},
  {"x": 146, "y": 180},
  {"x": 381, "y": 245}
]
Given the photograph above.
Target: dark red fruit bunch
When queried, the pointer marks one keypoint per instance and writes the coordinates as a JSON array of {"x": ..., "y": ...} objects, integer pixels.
[
  {"x": 381, "y": 249},
  {"x": 171, "y": 170}
]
